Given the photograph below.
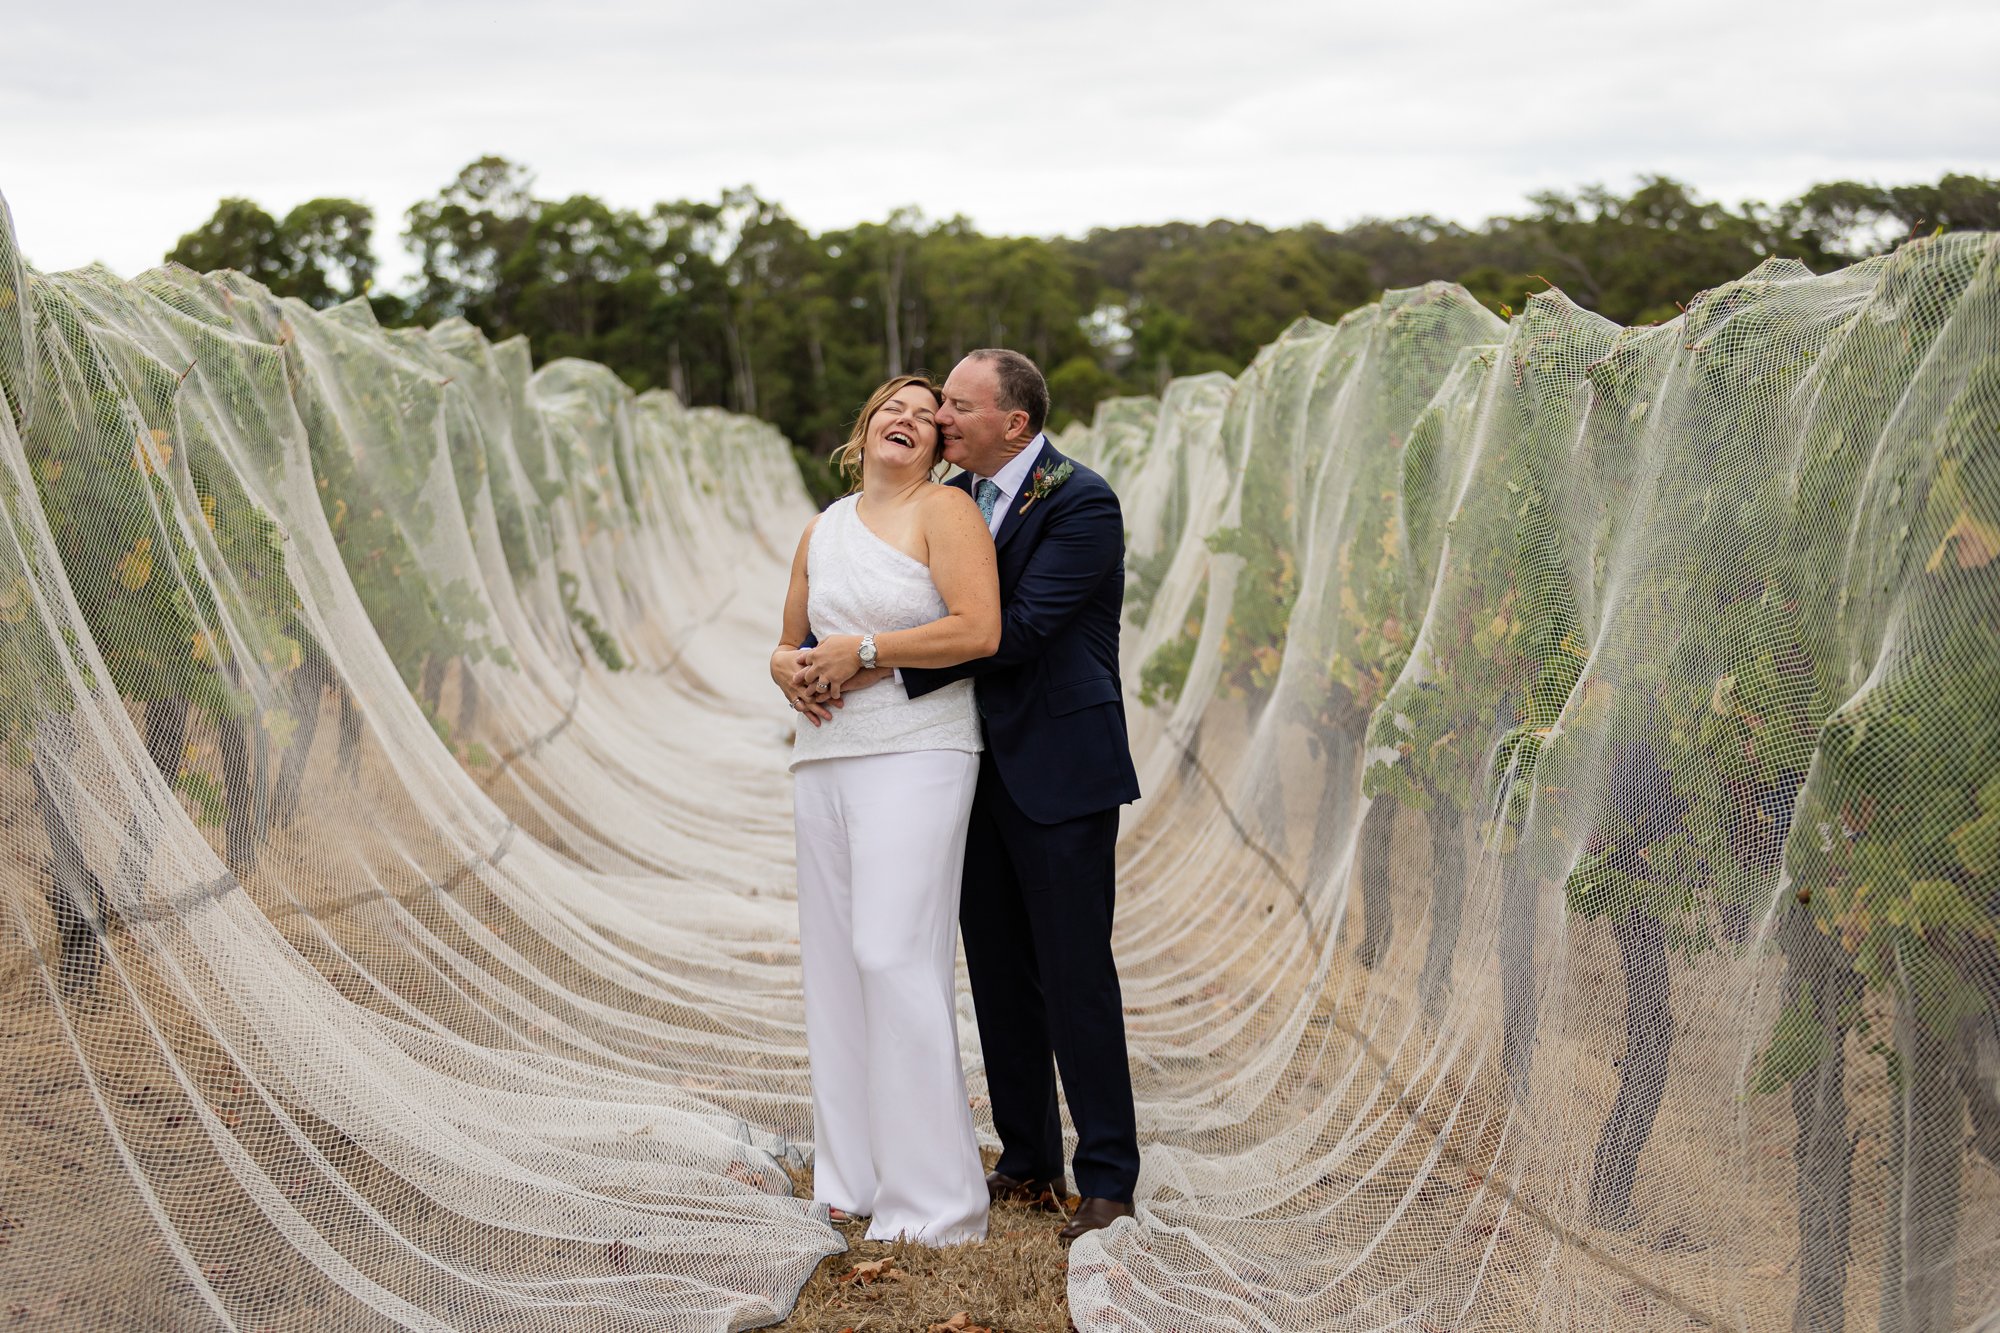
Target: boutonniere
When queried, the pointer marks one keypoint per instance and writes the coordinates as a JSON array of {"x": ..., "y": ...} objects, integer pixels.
[{"x": 1046, "y": 480}]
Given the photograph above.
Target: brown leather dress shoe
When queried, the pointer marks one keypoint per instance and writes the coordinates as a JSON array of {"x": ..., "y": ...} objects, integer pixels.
[
  {"x": 1044, "y": 1194},
  {"x": 1092, "y": 1214}
]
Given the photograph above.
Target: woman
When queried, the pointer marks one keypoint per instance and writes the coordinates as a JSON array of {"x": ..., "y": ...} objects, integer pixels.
[{"x": 900, "y": 573}]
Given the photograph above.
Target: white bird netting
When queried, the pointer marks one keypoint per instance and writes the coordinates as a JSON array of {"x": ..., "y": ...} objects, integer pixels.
[{"x": 1566, "y": 895}]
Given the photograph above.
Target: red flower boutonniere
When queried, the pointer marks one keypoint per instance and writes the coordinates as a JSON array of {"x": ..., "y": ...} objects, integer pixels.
[{"x": 1046, "y": 480}]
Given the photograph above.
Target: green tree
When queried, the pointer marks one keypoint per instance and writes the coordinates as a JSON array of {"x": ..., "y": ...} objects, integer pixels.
[
  {"x": 321, "y": 253},
  {"x": 582, "y": 279},
  {"x": 328, "y": 249},
  {"x": 1639, "y": 259},
  {"x": 463, "y": 238},
  {"x": 1076, "y": 387},
  {"x": 1850, "y": 220},
  {"x": 1236, "y": 290},
  {"x": 730, "y": 301},
  {"x": 998, "y": 291},
  {"x": 685, "y": 326},
  {"x": 777, "y": 318},
  {"x": 239, "y": 235}
]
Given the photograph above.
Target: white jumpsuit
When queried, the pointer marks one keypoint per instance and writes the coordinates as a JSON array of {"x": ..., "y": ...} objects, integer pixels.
[{"x": 882, "y": 796}]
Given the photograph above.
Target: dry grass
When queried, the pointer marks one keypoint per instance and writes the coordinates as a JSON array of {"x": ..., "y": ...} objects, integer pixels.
[{"x": 1015, "y": 1281}]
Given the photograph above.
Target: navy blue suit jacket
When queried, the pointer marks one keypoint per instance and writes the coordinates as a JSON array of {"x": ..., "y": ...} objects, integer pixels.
[{"x": 1054, "y": 715}]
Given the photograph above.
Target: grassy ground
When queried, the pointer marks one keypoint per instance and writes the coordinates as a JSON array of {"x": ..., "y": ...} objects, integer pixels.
[{"x": 1015, "y": 1281}]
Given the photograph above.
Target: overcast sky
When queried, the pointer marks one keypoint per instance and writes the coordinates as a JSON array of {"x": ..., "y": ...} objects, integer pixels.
[{"x": 122, "y": 124}]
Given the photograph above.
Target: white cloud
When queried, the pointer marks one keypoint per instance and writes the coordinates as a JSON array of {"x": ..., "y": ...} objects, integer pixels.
[{"x": 125, "y": 123}]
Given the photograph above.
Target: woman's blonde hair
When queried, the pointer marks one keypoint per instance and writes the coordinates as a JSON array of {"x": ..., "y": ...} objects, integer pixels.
[{"x": 847, "y": 458}]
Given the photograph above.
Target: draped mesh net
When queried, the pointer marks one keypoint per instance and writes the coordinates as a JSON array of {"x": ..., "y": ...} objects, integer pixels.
[{"x": 1565, "y": 896}]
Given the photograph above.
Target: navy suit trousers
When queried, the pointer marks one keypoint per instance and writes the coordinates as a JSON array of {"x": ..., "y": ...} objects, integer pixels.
[{"x": 1035, "y": 913}]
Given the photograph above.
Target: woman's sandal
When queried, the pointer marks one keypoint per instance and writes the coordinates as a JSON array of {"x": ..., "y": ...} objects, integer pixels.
[{"x": 840, "y": 1217}]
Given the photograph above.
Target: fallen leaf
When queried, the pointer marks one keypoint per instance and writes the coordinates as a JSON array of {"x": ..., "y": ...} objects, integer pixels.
[
  {"x": 874, "y": 1270},
  {"x": 960, "y": 1323}
]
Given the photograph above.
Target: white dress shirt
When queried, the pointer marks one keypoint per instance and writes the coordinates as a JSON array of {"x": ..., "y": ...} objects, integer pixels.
[{"x": 1012, "y": 479}]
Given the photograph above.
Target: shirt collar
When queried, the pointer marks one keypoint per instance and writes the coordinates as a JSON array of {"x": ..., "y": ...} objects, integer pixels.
[{"x": 1010, "y": 477}]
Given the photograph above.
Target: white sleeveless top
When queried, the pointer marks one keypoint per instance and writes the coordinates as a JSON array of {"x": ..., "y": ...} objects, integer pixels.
[{"x": 860, "y": 584}]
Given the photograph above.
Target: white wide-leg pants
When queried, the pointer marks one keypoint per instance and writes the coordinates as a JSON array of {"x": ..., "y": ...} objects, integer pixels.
[{"x": 881, "y": 846}]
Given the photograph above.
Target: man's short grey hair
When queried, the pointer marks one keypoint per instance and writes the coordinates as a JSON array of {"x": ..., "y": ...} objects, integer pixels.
[{"x": 1022, "y": 388}]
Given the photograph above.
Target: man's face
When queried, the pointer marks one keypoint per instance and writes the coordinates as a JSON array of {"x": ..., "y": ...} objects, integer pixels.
[{"x": 978, "y": 436}]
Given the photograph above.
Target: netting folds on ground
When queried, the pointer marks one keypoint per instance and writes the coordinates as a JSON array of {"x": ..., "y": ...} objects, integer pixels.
[
  {"x": 1566, "y": 895},
  {"x": 373, "y": 955}
]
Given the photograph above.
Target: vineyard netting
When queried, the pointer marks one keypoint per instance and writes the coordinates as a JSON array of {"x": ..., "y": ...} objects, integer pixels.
[{"x": 1567, "y": 894}]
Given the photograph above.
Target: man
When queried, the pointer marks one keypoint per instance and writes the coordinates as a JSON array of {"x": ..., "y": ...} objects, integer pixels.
[{"x": 1037, "y": 896}]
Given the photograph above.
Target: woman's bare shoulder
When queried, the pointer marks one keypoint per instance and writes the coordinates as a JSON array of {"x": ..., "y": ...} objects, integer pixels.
[{"x": 947, "y": 500}]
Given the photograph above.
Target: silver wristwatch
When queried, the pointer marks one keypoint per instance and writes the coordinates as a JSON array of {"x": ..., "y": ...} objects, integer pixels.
[{"x": 868, "y": 652}]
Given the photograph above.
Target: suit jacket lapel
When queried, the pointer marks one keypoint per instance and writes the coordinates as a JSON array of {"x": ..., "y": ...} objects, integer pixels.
[{"x": 1015, "y": 520}]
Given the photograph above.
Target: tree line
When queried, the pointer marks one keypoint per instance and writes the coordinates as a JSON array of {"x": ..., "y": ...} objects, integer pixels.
[{"x": 733, "y": 302}]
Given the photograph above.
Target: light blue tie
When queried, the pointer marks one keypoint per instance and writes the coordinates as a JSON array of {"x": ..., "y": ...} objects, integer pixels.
[{"x": 987, "y": 493}]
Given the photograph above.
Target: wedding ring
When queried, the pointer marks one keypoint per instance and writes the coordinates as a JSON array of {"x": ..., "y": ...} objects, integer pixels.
[{"x": 822, "y": 686}]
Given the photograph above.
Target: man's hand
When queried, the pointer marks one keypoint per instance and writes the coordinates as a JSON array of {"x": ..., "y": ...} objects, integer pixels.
[
  {"x": 861, "y": 680},
  {"x": 805, "y": 682}
]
